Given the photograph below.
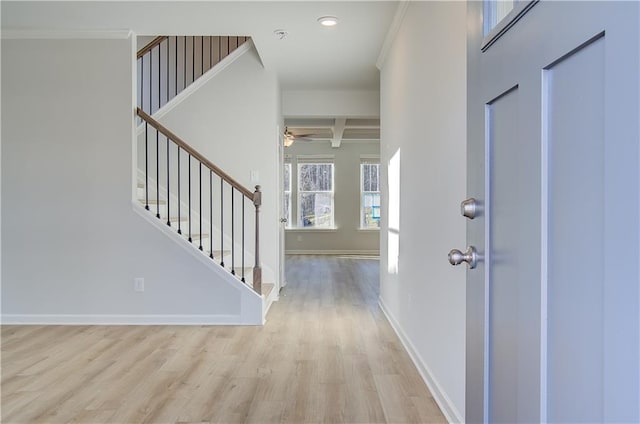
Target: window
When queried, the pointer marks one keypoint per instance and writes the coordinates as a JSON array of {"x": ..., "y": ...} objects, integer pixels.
[
  {"x": 369, "y": 195},
  {"x": 495, "y": 11},
  {"x": 287, "y": 194},
  {"x": 315, "y": 193}
]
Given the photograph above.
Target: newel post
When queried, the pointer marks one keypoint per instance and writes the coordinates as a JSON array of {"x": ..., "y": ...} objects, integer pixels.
[{"x": 257, "y": 271}]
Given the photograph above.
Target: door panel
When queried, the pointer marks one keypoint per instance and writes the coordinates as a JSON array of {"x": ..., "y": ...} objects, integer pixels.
[
  {"x": 575, "y": 281},
  {"x": 553, "y": 328}
]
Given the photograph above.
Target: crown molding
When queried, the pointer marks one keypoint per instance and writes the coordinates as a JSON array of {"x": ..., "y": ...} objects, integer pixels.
[
  {"x": 32, "y": 34},
  {"x": 391, "y": 34}
]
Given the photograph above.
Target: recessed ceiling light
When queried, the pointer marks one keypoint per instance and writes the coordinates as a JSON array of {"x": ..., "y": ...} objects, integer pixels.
[{"x": 328, "y": 21}]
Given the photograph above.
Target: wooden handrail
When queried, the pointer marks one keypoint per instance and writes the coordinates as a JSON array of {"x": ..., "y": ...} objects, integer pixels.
[
  {"x": 159, "y": 39},
  {"x": 193, "y": 152}
]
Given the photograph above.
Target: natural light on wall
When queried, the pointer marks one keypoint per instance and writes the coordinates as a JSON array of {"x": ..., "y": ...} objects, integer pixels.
[{"x": 393, "y": 239}]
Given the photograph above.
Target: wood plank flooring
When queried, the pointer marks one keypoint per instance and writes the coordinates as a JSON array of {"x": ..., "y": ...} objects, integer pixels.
[{"x": 326, "y": 355}]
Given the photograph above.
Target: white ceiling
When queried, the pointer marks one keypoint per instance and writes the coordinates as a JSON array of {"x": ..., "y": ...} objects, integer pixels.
[{"x": 312, "y": 57}]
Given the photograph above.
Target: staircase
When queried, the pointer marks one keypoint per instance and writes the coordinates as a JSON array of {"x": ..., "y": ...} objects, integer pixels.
[{"x": 205, "y": 208}]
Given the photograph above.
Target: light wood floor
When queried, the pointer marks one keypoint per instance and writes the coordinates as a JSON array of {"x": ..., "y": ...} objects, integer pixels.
[{"x": 326, "y": 354}]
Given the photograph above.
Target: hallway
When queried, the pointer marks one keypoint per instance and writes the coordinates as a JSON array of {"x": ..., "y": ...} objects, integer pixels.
[{"x": 326, "y": 354}]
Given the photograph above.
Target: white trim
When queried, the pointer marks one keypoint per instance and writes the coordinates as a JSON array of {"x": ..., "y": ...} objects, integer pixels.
[
  {"x": 321, "y": 159},
  {"x": 334, "y": 252},
  {"x": 520, "y": 8},
  {"x": 311, "y": 229},
  {"x": 116, "y": 319},
  {"x": 215, "y": 70},
  {"x": 446, "y": 405},
  {"x": 28, "y": 34},
  {"x": 544, "y": 242},
  {"x": 392, "y": 33}
]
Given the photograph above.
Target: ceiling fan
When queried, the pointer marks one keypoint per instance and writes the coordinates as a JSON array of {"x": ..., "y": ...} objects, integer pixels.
[{"x": 290, "y": 137}]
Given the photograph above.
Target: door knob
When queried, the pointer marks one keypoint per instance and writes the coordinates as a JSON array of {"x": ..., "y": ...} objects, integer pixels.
[
  {"x": 456, "y": 257},
  {"x": 469, "y": 208}
]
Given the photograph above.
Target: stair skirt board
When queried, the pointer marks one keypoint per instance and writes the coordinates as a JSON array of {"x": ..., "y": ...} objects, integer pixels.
[
  {"x": 267, "y": 273},
  {"x": 191, "y": 248},
  {"x": 223, "y": 273}
]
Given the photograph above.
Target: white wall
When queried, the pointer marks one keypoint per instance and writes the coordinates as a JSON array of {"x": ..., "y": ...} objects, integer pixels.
[
  {"x": 347, "y": 238},
  {"x": 233, "y": 121},
  {"x": 331, "y": 103},
  {"x": 71, "y": 241},
  {"x": 423, "y": 115}
]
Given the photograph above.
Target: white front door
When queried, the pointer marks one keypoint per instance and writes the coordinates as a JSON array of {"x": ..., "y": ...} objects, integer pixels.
[{"x": 553, "y": 326}]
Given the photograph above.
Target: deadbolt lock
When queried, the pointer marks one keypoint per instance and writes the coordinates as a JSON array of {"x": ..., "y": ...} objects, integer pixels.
[{"x": 469, "y": 208}]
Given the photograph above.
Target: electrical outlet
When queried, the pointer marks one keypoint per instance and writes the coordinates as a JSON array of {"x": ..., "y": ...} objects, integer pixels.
[
  {"x": 254, "y": 176},
  {"x": 138, "y": 284}
]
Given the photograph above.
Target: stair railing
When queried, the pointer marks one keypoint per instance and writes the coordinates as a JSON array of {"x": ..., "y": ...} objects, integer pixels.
[
  {"x": 168, "y": 158},
  {"x": 169, "y": 64}
]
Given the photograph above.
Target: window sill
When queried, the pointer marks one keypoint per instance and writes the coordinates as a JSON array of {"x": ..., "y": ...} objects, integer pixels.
[
  {"x": 369, "y": 229},
  {"x": 312, "y": 230}
]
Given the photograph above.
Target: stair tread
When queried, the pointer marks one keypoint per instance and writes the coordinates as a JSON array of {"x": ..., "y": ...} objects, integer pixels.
[
  {"x": 175, "y": 219},
  {"x": 217, "y": 253},
  {"x": 153, "y": 202},
  {"x": 267, "y": 288}
]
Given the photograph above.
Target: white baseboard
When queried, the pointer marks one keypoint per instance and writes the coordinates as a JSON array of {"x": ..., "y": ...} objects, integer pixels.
[
  {"x": 334, "y": 252},
  {"x": 447, "y": 407},
  {"x": 64, "y": 319}
]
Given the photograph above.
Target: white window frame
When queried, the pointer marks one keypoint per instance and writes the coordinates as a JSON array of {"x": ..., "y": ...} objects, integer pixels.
[
  {"x": 289, "y": 223},
  {"x": 315, "y": 160},
  {"x": 373, "y": 160}
]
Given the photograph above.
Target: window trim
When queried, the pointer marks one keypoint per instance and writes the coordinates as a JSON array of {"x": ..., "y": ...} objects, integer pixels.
[
  {"x": 367, "y": 161},
  {"x": 315, "y": 160},
  {"x": 520, "y": 8},
  {"x": 289, "y": 217}
]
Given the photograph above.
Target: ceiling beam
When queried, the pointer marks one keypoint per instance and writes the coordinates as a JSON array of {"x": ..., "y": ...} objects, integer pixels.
[{"x": 338, "y": 131}]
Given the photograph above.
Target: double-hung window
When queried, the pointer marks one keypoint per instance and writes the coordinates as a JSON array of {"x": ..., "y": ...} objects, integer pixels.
[
  {"x": 315, "y": 192},
  {"x": 369, "y": 194}
]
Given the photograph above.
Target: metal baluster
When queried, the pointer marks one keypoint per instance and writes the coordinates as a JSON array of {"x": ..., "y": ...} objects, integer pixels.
[
  {"x": 211, "y": 214},
  {"x": 157, "y": 174},
  {"x": 179, "y": 205},
  {"x": 176, "y": 69},
  {"x": 141, "y": 83},
  {"x": 233, "y": 250},
  {"x": 190, "y": 241},
  {"x": 184, "y": 70},
  {"x": 168, "y": 52},
  {"x": 243, "y": 199},
  {"x": 193, "y": 59},
  {"x": 159, "y": 74},
  {"x": 150, "y": 82},
  {"x": 211, "y": 52},
  {"x": 221, "y": 221},
  {"x": 200, "y": 202},
  {"x": 146, "y": 165},
  {"x": 168, "y": 174},
  {"x": 201, "y": 55}
]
